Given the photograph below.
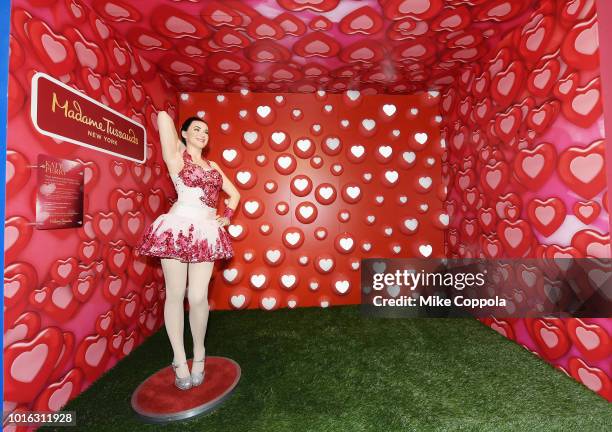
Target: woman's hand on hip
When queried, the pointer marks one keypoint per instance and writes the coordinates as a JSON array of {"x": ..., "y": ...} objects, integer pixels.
[{"x": 222, "y": 221}]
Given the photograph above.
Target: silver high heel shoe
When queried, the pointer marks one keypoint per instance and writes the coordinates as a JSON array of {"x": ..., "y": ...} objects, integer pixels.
[
  {"x": 198, "y": 378},
  {"x": 181, "y": 383}
]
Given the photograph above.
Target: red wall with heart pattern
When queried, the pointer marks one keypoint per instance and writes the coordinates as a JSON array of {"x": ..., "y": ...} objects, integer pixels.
[
  {"x": 527, "y": 170},
  {"x": 77, "y": 300},
  {"x": 326, "y": 180}
]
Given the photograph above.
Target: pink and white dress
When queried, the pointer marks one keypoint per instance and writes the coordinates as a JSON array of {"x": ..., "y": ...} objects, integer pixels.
[{"x": 189, "y": 231}]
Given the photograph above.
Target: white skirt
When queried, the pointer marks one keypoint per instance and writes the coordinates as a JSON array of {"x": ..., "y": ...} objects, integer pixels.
[{"x": 189, "y": 233}]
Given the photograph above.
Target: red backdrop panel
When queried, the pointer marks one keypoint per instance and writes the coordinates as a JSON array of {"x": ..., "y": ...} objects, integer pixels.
[{"x": 379, "y": 156}]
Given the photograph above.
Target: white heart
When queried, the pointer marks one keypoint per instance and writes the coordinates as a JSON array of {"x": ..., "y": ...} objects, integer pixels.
[
  {"x": 332, "y": 143},
  {"x": 258, "y": 280},
  {"x": 385, "y": 151},
  {"x": 409, "y": 156},
  {"x": 411, "y": 224},
  {"x": 250, "y": 137},
  {"x": 268, "y": 302},
  {"x": 300, "y": 184},
  {"x": 230, "y": 274},
  {"x": 293, "y": 238},
  {"x": 234, "y": 230},
  {"x": 263, "y": 110},
  {"x": 251, "y": 206},
  {"x": 353, "y": 94},
  {"x": 278, "y": 137},
  {"x": 303, "y": 144},
  {"x": 326, "y": 264},
  {"x": 425, "y": 250},
  {"x": 273, "y": 255},
  {"x": 229, "y": 154},
  {"x": 368, "y": 124},
  {"x": 346, "y": 243},
  {"x": 288, "y": 280},
  {"x": 326, "y": 192},
  {"x": 391, "y": 176},
  {"x": 425, "y": 182},
  {"x": 393, "y": 290},
  {"x": 306, "y": 211},
  {"x": 357, "y": 150},
  {"x": 353, "y": 191},
  {"x": 284, "y": 161},
  {"x": 420, "y": 137},
  {"x": 342, "y": 286},
  {"x": 238, "y": 301},
  {"x": 389, "y": 109}
]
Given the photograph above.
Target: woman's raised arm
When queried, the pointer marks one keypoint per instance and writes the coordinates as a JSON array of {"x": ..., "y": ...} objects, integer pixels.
[{"x": 168, "y": 137}]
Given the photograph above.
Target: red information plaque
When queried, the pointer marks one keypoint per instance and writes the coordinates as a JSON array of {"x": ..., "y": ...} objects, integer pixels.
[
  {"x": 61, "y": 112},
  {"x": 59, "y": 196}
]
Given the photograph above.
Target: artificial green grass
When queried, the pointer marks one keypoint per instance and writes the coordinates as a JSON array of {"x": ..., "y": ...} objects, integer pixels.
[{"x": 314, "y": 369}]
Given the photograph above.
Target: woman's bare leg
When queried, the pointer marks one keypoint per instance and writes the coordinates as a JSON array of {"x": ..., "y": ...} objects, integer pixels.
[
  {"x": 197, "y": 294},
  {"x": 175, "y": 275}
]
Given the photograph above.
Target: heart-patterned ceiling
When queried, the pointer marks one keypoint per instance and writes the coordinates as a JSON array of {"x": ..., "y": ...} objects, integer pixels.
[{"x": 376, "y": 46}]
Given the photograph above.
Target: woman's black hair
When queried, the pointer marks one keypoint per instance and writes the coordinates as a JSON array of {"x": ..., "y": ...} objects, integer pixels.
[{"x": 186, "y": 125}]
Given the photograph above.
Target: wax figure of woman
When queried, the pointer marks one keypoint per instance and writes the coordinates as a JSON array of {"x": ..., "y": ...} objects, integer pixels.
[{"x": 189, "y": 238}]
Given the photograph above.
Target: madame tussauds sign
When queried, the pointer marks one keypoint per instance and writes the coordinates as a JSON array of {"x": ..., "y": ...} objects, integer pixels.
[{"x": 63, "y": 113}]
